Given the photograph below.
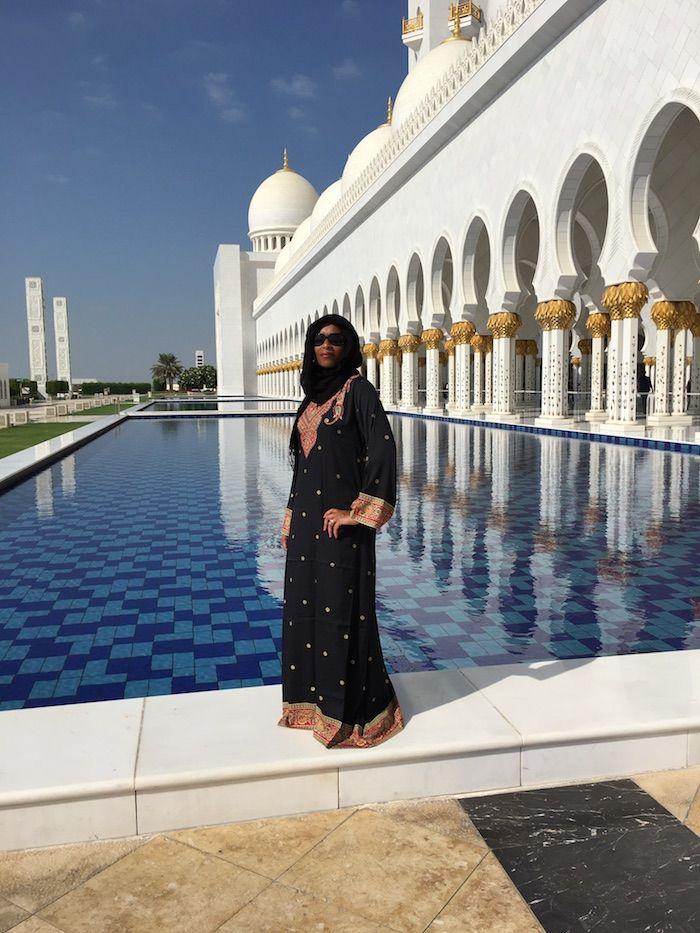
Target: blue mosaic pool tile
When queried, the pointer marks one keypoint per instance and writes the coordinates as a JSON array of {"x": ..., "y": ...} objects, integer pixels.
[{"x": 173, "y": 582}]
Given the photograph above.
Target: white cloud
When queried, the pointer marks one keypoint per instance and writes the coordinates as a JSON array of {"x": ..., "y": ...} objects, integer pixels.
[
  {"x": 76, "y": 19},
  {"x": 217, "y": 85},
  {"x": 56, "y": 179},
  {"x": 296, "y": 113},
  {"x": 346, "y": 69},
  {"x": 350, "y": 8},
  {"x": 104, "y": 101},
  {"x": 301, "y": 86}
]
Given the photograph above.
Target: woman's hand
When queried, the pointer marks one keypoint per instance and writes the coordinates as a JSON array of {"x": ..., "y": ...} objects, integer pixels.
[
  {"x": 333, "y": 519},
  {"x": 285, "y": 541}
]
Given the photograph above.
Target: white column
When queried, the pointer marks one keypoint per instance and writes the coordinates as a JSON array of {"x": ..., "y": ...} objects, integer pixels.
[
  {"x": 431, "y": 338},
  {"x": 555, "y": 318},
  {"x": 62, "y": 337},
  {"x": 408, "y": 344},
  {"x": 478, "y": 345},
  {"x": 462, "y": 333},
  {"x": 680, "y": 340},
  {"x": 488, "y": 374},
  {"x": 520, "y": 374},
  {"x": 598, "y": 326},
  {"x": 504, "y": 326},
  {"x": 451, "y": 374},
  {"x": 388, "y": 350},
  {"x": 624, "y": 302},
  {"x": 694, "y": 402},
  {"x": 585, "y": 346},
  {"x": 672, "y": 320},
  {"x": 370, "y": 351}
]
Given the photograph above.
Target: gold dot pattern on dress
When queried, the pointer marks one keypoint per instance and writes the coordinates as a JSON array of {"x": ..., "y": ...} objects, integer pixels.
[
  {"x": 337, "y": 475},
  {"x": 302, "y": 557},
  {"x": 332, "y": 564},
  {"x": 386, "y": 437},
  {"x": 292, "y": 667},
  {"x": 320, "y": 697},
  {"x": 325, "y": 654},
  {"x": 308, "y": 644},
  {"x": 328, "y": 608},
  {"x": 303, "y": 514},
  {"x": 317, "y": 537},
  {"x": 350, "y": 590},
  {"x": 304, "y": 601},
  {"x": 319, "y": 447},
  {"x": 318, "y": 492},
  {"x": 346, "y": 635},
  {"x": 312, "y": 688},
  {"x": 362, "y": 618},
  {"x": 342, "y": 683}
]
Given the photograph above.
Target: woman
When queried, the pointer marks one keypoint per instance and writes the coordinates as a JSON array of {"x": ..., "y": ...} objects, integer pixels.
[{"x": 344, "y": 488}]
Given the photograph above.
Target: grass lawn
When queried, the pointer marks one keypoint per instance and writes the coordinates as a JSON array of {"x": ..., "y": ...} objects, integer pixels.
[
  {"x": 26, "y": 435},
  {"x": 106, "y": 409}
]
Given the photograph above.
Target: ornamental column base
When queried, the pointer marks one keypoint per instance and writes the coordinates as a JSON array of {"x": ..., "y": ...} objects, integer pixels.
[
  {"x": 557, "y": 421},
  {"x": 623, "y": 427},
  {"x": 596, "y": 414},
  {"x": 433, "y": 410},
  {"x": 677, "y": 420},
  {"x": 505, "y": 417}
]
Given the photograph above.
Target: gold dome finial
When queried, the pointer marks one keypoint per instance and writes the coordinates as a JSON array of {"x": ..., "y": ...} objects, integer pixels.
[
  {"x": 389, "y": 111},
  {"x": 285, "y": 158}
]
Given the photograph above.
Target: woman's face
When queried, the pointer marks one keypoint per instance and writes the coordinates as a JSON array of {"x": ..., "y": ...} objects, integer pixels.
[{"x": 328, "y": 355}]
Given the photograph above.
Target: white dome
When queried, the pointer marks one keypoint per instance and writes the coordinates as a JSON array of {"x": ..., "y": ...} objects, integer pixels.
[
  {"x": 283, "y": 258},
  {"x": 281, "y": 202},
  {"x": 326, "y": 202},
  {"x": 425, "y": 75},
  {"x": 364, "y": 152},
  {"x": 302, "y": 233}
]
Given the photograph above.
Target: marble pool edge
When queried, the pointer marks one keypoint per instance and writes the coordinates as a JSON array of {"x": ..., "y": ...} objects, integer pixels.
[{"x": 467, "y": 733}]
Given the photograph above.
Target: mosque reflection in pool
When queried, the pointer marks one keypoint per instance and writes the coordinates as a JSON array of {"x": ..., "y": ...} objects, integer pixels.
[{"x": 149, "y": 561}]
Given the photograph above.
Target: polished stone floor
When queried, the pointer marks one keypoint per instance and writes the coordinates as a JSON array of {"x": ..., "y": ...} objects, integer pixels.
[{"x": 418, "y": 865}]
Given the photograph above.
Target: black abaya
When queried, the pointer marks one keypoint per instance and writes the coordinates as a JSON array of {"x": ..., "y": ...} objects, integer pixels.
[{"x": 333, "y": 676}]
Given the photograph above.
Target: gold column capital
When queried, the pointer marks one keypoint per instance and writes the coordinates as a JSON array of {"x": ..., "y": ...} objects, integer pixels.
[
  {"x": 431, "y": 338},
  {"x": 575, "y": 360},
  {"x": 585, "y": 345},
  {"x": 504, "y": 324},
  {"x": 531, "y": 348},
  {"x": 598, "y": 324},
  {"x": 695, "y": 323},
  {"x": 462, "y": 332},
  {"x": 521, "y": 347},
  {"x": 674, "y": 315},
  {"x": 409, "y": 343},
  {"x": 556, "y": 314},
  {"x": 649, "y": 361},
  {"x": 625, "y": 300},
  {"x": 370, "y": 349},
  {"x": 449, "y": 346},
  {"x": 389, "y": 347}
]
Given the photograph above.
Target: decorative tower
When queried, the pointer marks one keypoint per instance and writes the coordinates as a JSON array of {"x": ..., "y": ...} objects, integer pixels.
[
  {"x": 60, "y": 328},
  {"x": 34, "y": 291},
  {"x": 430, "y": 22}
]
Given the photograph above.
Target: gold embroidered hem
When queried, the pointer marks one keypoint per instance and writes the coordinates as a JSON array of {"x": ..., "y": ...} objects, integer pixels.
[
  {"x": 287, "y": 522},
  {"x": 336, "y": 734},
  {"x": 371, "y": 511}
]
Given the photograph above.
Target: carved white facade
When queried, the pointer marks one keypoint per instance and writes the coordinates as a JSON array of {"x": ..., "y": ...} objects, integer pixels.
[
  {"x": 38, "y": 371},
  {"x": 62, "y": 338},
  {"x": 529, "y": 216}
]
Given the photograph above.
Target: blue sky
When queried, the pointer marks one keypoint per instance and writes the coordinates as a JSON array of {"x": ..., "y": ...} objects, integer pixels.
[{"x": 134, "y": 133}]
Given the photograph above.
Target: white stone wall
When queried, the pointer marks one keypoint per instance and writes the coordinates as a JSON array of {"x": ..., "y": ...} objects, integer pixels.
[
  {"x": 518, "y": 125},
  {"x": 238, "y": 278}
]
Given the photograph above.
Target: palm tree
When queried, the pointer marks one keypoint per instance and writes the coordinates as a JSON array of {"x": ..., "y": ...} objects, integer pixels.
[{"x": 167, "y": 369}]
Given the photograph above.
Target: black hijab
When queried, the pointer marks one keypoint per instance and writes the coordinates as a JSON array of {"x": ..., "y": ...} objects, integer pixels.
[{"x": 319, "y": 382}]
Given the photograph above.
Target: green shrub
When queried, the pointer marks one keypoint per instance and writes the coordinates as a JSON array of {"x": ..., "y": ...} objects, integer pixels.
[
  {"x": 55, "y": 386},
  {"x": 198, "y": 377}
]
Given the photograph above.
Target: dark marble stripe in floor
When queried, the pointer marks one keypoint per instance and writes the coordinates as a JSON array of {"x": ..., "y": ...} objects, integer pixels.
[{"x": 603, "y": 856}]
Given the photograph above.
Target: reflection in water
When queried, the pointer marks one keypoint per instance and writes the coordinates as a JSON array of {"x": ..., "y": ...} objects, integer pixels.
[{"x": 162, "y": 538}]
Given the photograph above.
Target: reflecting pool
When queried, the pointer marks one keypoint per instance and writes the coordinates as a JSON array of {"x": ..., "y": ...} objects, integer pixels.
[{"x": 149, "y": 560}]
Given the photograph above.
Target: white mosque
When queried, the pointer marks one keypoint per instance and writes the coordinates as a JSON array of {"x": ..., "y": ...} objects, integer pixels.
[{"x": 523, "y": 229}]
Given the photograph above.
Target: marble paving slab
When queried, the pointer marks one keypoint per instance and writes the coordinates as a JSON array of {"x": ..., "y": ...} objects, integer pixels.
[{"x": 602, "y": 856}]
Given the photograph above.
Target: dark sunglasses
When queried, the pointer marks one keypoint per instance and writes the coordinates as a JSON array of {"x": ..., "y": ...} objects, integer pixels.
[{"x": 335, "y": 340}]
